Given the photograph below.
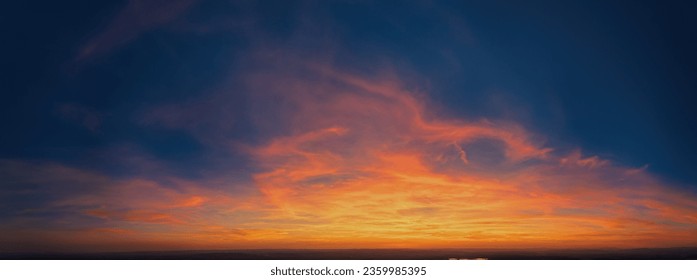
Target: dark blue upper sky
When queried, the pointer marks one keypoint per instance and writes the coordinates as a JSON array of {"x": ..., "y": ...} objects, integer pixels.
[{"x": 615, "y": 78}]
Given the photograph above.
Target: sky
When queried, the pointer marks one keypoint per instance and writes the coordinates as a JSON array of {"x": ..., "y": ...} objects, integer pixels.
[{"x": 208, "y": 124}]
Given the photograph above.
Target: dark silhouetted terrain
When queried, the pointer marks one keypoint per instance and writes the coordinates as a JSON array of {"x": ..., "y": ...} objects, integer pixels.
[{"x": 377, "y": 254}]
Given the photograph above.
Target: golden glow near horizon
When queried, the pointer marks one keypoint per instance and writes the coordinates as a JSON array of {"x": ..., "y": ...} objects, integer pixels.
[{"x": 356, "y": 162}]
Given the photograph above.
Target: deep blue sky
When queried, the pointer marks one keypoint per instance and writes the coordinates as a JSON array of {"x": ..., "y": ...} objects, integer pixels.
[{"x": 613, "y": 78}]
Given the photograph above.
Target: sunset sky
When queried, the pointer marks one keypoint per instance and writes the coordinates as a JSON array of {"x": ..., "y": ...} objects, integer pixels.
[{"x": 195, "y": 124}]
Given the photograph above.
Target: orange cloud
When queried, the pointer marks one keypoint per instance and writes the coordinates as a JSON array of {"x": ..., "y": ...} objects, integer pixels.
[
  {"x": 352, "y": 161},
  {"x": 364, "y": 162}
]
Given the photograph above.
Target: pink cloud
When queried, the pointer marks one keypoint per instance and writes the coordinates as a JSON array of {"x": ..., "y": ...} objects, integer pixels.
[{"x": 136, "y": 18}]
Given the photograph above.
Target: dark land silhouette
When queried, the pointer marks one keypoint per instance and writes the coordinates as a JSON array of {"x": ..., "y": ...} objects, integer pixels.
[{"x": 378, "y": 254}]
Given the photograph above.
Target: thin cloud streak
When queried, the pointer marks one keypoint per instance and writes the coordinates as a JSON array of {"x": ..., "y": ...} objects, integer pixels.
[{"x": 136, "y": 18}]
